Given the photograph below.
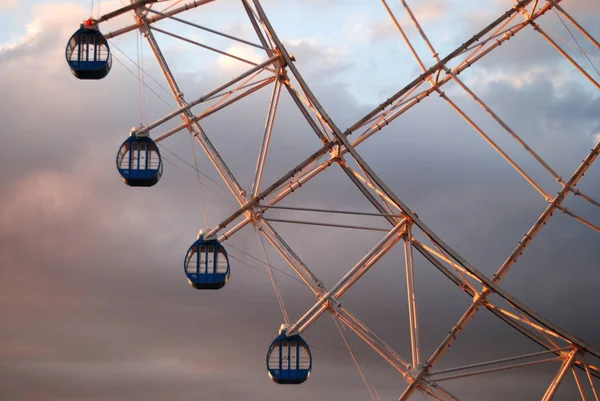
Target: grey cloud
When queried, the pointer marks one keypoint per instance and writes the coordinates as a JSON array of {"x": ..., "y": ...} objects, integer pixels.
[
  {"x": 93, "y": 289},
  {"x": 532, "y": 50}
]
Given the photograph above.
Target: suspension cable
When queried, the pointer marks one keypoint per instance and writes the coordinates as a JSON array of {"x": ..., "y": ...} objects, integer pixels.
[
  {"x": 137, "y": 45},
  {"x": 199, "y": 182},
  {"x": 221, "y": 186},
  {"x": 261, "y": 261},
  {"x": 576, "y": 41},
  {"x": 178, "y": 167},
  {"x": 143, "y": 76},
  {"x": 203, "y": 28},
  {"x": 364, "y": 379},
  {"x": 112, "y": 43},
  {"x": 286, "y": 319},
  {"x": 196, "y": 168},
  {"x": 134, "y": 74}
]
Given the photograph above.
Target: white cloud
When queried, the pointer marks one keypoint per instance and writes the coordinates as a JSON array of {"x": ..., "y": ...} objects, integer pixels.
[
  {"x": 8, "y": 4},
  {"x": 430, "y": 11},
  {"x": 230, "y": 64},
  {"x": 313, "y": 56},
  {"x": 33, "y": 30}
]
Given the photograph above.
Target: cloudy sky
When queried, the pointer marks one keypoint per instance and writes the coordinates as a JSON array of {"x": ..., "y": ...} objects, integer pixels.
[{"x": 94, "y": 304}]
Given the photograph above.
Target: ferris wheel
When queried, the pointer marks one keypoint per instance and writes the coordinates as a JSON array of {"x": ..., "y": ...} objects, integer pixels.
[{"x": 207, "y": 264}]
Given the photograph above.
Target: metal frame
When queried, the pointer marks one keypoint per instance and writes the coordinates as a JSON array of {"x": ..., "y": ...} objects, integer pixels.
[{"x": 336, "y": 146}]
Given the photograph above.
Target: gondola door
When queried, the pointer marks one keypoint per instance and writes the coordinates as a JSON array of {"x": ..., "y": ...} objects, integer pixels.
[
  {"x": 293, "y": 356},
  {"x": 142, "y": 155},
  {"x": 210, "y": 259},
  {"x": 202, "y": 266},
  {"x": 133, "y": 151}
]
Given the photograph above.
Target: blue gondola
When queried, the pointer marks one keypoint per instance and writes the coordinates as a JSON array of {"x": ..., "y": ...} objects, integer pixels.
[
  {"x": 88, "y": 53},
  {"x": 139, "y": 161},
  {"x": 289, "y": 360},
  {"x": 206, "y": 264}
]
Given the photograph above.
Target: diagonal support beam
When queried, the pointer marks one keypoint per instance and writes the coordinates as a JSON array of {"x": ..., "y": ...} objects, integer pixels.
[
  {"x": 389, "y": 116},
  {"x": 514, "y": 323},
  {"x": 340, "y": 140},
  {"x": 423, "y": 77},
  {"x": 187, "y": 106},
  {"x": 559, "y": 376},
  {"x": 240, "y": 40},
  {"x": 156, "y": 18},
  {"x": 412, "y": 299},
  {"x": 188, "y": 117},
  {"x": 498, "y": 361},
  {"x": 359, "y": 269},
  {"x": 564, "y": 54},
  {"x": 378, "y": 126},
  {"x": 264, "y": 147},
  {"x": 545, "y": 216},
  {"x": 225, "y": 101},
  {"x": 578, "y": 383},
  {"x": 307, "y": 173},
  {"x": 497, "y": 369},
  {"x": 410, "y": 214},
  {"x": 341, "y": 137},
  {"x": 587, "y": 371},
  {"x": 370, "y": 338},
  {"x": 576, "y": 24},
  {"x": 490, "y": 285},
  {"x": 433, "y": 390}
]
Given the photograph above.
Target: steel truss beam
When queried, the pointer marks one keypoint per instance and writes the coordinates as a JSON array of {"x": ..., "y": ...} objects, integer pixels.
[
  {"x": 328, "y": 146},
  {"x": 386, "y": 243},
  {"x": 410, "y": 214},
  {"x": 188, "y": 105},
  {"x": 518, "y": 323},
  {"x": 350, "y": 212},
  {"x": 341, "y": 137},
  {"x": 434, "y": 54},
  {"x": 287, "y": 252},
  {"x": 187, "y": 116},
  {"x": 359, "y": 328},
  {"x": 136, "y": 6},
  {"x": 488, "y": 110},
  {"x": 412, "y": 299},
  {"x": 338, "y": 147},
  {"x": 566, "y": 187},
  {"x": 498, "y": 361},
  {"x": 434, "y": 69},
  {"x": 262, "y": 156},
  {"x": 498, "y": 369},
  {"x": 314, "y": 223},
  {"x": 278, "y": 242},
  {"x": 205, "y": 28},
  {"x": 225, "y": 101}
]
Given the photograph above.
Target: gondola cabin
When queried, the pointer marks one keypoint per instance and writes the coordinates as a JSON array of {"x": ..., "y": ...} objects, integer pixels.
[
  {"x": 139, "y": 161},
  {"x": 207, "y": 265},
  {"x": 289, "y": 360},
  {"x": 88, "y": 54}
]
